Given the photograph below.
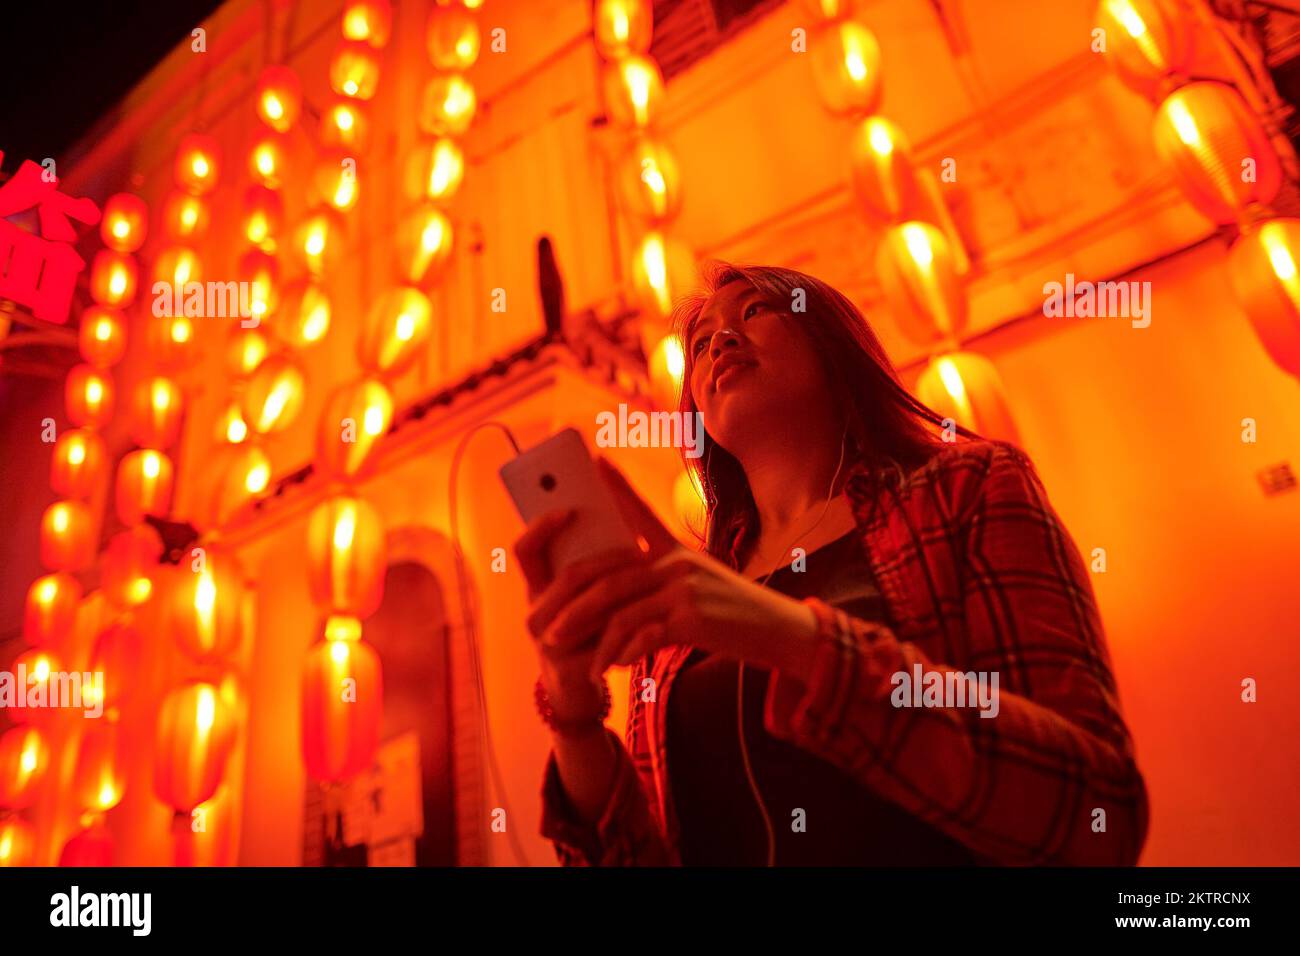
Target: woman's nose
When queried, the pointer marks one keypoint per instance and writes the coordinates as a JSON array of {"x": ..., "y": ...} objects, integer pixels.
[{"x": 723, "y": 339}]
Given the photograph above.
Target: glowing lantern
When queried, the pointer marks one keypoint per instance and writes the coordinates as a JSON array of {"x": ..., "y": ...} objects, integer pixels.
[
  {"x": 634, "y": 87},
  {"x": 266, "y": 159},
  {"x": 113, "y": 276},
  {"x": 622, "y": 27},
  {"x": 667, "y": 365},
  {"x": 274, "y": 395},
  {"x": 248, "y": 350},
  {"x": 651, "y": 185},
  {"x": 169, "y": 341},
  {"x": 846, "y": 67},
  {"x": 125, "y": 222},
  {"x": 688, "y": 503},
  {"x": 100, "y": 780},
  {"x": 1262, "y": 267},
  {"x": 354, "y": 420},
  {"x": 279, "y": 98},
  {"x": 156, "y": 410},
  {"x": 24, "y": 758},
  {"x": 319, "y": 239},
  {"x": 117, "y": 655},
  {"x": 144, "y": 486},
  {"x": 919, "y": 275},
  {"x": 1216, "y": 149},
  {"x": 198, "y": 164},
  {"x": 423, "y": 243},
  {"x": 344, "y": 126},
  {"x": 828, "y": 9},
  {"x": 91, "y": 846},
  {"x": 205, "y": 597},
  {"x": 130, "y": 563},
  {"x": 662, "y": 271},
  {"x": 184, "y": 217},
  {"x": 882, "y": 172},
  {"x": 196, "y": 731},
  {"x": 77, "y": 464},
  {"x": 966, "y": 388},
  {"x": 51, "y": 611},
  {"x": 396, "y": 331},
  {"x": 435, "y": 172},
  {"x": 342, "y": 703},
  {"x": 448, "y": 105},
  {"x": 263, "y": 212},
  {"x": 336, "y": 179},
  {"x": 304, "y": 316},
  {"x": 354, "y": 71},
  {"x": 369, "y": 21},
  {"x": 88, "y": 394},
  {"x": 453, "y": 39},
  {"x": 43, "y": 687},
  {"x": 259, "y": 273},
  {"x": 1147, "y": 41},
  {"x": 102, "y": 338},
  {"x": 346, "y": 557},
  {"x": 17, "y": 842},
  {"x": 244, "y": 475},
  {"x": 231, "y": 427},
  {"x": 177, "y": 266},
  {"x": 67, "y": 536}
]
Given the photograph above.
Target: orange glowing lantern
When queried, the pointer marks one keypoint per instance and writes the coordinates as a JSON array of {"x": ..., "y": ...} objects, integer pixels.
[
  {"x": 882, "y": 172},
  {"x": 663, "y": 269},
  {"x": 846, "y": 67},
  {"x": 231, "y": 427},
  {"x": 453, "y": 39},
  {"x": 259, "y": 273},
  {"x": 354, "y": 71},
  {"x": 634, "y": 88},
  {"x": 24, "y": 758},
  {"x": 17, "y": 842},
  {"x": 88, "y": 394},
  {"x": 125, "y": 222},
  {"x": 113, "y": 277},
  {"x": 266, "y": 159},
  {"x": 102, "y": 338},
  {"x": 196, "y": 731},
  {"x": 1262, "y": 267},
  {"x": 342, "y": 703},
  {"x": 263, "y": 213},
  {"x": 319, "y": 239},
  {"x": 396, "y": 331},
  {"x": 100, "y": 780},
  {"x": 651, "y": 184},
  {"x": 117, "y": 654},
  {"x": 244, "y": 475},
  {"x": 51, "y": 610},
  {"x": 248, "y": 350},
  {"x": 1147, "y": 41},
  {"x": 354, "y": 420},
  {"x": 918, "y": 272},
  {"x": 198, "y": 164},
  {"x": 667, "y": 366},
  {"x": 67, "y": 536},
  {"x": 966, "y": 388},
  {"x": 77, "y": 465},
  {"x": 185, "y": 218},
  {"x": 177, "y": 266},
  {"x": 130, "y": 564},
  {"x": 346, "y": 557},
  {"x": 38, "y": 671},
  {"x": 344, "y": 126},
  {"x": 91, "y": 846},
  {"x": 144, "y": 486},
  {"x": 335, "y": 179},
  {"x": 368, "y": 21},
  {"x": 156, "y": 411},
  {"x": 274, "y": 395},
  {"x": 436, "y": 171},
  {"x": 279, "y": 98},
  {"x": 622, "y": 27},
  {"x": 447, "y": 106},
  {"x": 304, "y": 316},
  {"x": 169, "y": 341},
  {"x": 1217, "y": 150},
  {"x": 423, "y": 243},
  {"x": 205, "y": 596}
]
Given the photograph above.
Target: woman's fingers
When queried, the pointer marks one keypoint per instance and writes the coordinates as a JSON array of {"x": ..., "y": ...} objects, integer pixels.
[
  {"x": 532, "y": 546},
  {"x": 628, "y": 622},
  {"x": 572, "y": 581},
  {"x": 642, "y": 518},
  {"x": 589, "y": 612}
]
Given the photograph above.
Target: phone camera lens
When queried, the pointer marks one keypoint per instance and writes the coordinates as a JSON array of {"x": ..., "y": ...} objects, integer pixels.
[{"x": 548, "y": 482}]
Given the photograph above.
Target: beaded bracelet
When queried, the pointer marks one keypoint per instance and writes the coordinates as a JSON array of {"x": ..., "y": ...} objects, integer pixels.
[{"x": 570, "y": 728}]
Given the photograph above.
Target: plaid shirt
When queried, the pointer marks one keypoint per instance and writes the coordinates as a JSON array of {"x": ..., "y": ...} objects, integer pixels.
[{"x": 978, "y": 574}]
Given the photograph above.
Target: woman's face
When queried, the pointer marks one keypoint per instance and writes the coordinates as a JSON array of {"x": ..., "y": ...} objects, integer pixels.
[{"x": 752, "y": 370}]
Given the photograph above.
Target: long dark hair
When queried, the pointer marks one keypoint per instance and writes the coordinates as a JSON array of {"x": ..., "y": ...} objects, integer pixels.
[{"x": 888, "y": 428}]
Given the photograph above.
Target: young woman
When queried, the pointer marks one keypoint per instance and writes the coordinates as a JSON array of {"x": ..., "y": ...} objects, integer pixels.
[{"x": 850, "y": 553}]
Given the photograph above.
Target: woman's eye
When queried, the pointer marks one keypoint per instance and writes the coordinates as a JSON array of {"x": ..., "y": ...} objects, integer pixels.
[
  {"x": 697, "y": 347},
  {"x": 751, "y": 309}
]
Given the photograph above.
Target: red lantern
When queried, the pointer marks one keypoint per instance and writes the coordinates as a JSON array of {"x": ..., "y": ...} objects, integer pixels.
[
  {"x": 185, "y": 218},
  {"x": 274, "y": 395},
  {"x": 342, "y": 703},
  {"x": 452, "y": 38},
  {"x": 102, "y": 337},
  {"x": 344, "y": 125},
  {"x": 368, "y": 21},
  {"x": 883, "y": 177},
  {"x": 196, "y": 731},
  {"x": 248, "y": 349},
  {"x": 67, "y": 536},
  {"x": 622, "y": 27},
  {"x": 244, "y": 474},
  {"x": 198, "y": 164},
  {"x": 634, "y": 91},
  {"x": 88, "y": 393},
  {"x": 346, "y": 557},
  {"x": 1262, "y": 267},
  {"x": 423, "y": 244},
  {"x": 263, "y": 212},
  {"x": 397, "y": 331},
  {"x": 279, "y": 98},
  {"x": 24, "y": 758},
  {"x": 447, "y": 105},
  {"x": 336, "y": 179},
  {"x": 304, "y": 316},
  {"x": 100, "y": 780},
  {"x": 650, "y": 181},
  {"x": 261, "y": 274},
  {"x": 205, "y": 605},
  {"x": 355, "y": 419},
  {"x": 77, "y": 465},
  {"x": 156, "y": 412},
  {"x": 51, "y": 611},
  {"x": 144, "y": 486},
  {"x": 354, "y": 71},
  {"x": 130, "y": 563},
  {"x": 1149, "y": 42},
  {"x": 117, "y": 655},
  {"x": 125, "y": 222},
  {"x": 435, "y": 171},
  {"x": 37, "y": 672},
  {"x": 266, "y": 159},
  {"x": 177, "y": 266},
  {"x": 918, "y": 272},
  {"x": 169, "y": 341},
  {"x": 846, "y": 67},
  {"x": 17, "y": 842},
  {"x": 965, "y": 388},
  {"x": 92, "y": 846},
  {"x": 318, "y": 240},
  {"x": 113, "y": 276}
]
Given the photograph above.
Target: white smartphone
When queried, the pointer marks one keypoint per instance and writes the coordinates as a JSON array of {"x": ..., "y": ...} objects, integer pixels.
[{"x": 560, "y": 474}]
